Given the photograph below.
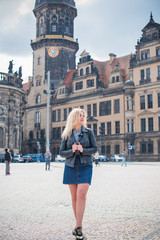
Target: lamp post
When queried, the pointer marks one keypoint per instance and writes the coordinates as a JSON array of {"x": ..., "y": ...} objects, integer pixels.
[
  {"x": 100, "y": 134},
  {"x": 48, "y": 104}
]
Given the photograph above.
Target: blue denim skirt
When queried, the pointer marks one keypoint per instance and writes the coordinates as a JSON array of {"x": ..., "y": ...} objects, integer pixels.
[{"x": 80, "y": 173}]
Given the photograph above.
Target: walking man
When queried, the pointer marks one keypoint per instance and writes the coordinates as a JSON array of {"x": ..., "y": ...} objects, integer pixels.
[
  {"x": 47, "y": 159},
  {"x": 124, "y": 155},
  {"x": 7, "y": 161}
]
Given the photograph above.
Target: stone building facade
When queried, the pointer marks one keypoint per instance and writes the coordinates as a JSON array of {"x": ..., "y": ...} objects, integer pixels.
[
  {"x": 12, "y": 100},
  {"x": 121, "y": 95}
]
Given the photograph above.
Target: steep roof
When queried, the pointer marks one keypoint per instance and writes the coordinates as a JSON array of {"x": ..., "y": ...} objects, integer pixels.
[
  {"x": 105, "y": 68},
  {"x": 69, "y": 77},
  {"x": 151, "y": 24},
  {"x": 26, "y": 86}
]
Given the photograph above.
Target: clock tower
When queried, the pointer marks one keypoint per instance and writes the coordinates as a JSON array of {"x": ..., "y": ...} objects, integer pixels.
[{"x": 54, "y": 48}]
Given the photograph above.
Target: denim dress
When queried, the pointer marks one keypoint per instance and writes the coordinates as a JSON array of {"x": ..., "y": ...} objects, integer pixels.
[{"x": 80, "y": 173}]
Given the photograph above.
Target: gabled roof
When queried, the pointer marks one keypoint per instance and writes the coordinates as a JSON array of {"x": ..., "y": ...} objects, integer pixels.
[
  {"x": 151, "y": 24},
  {"x": 105, "y": 68}
]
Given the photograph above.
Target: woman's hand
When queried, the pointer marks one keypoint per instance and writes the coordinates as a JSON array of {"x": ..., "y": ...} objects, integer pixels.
[
  {"x": 74, "y": 147},
  {"x": 80, "y": 148}
]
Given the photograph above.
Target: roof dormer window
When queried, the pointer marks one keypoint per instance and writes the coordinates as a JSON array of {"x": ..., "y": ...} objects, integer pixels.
[{"x": 145, "y": 54}]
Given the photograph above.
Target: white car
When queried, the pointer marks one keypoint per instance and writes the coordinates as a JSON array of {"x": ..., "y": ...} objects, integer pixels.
[
  {"x": 17, "y": 158},
  {"x": 58, "y": 158},
  {"x": 116, "y": 157}
]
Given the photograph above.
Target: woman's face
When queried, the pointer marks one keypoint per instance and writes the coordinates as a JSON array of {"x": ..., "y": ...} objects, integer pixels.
[{"x": 81, "y": 118}]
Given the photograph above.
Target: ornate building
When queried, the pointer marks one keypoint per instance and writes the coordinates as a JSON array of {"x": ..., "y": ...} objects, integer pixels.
[
  {"x": 12, "y": 100},
  {"x": 121, "y": 95}
]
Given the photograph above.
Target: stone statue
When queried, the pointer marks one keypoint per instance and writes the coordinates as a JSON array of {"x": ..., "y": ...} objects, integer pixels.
[
  {"x": 20, "y": 72},
  {"x": 10, "y": 68}
]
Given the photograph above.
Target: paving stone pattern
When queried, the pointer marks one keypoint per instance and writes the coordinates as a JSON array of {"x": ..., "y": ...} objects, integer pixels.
[{"x": 123, "y": 203}]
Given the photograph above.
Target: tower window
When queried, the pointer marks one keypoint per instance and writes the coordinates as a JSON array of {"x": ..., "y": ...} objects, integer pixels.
[
  {"x": 67, "y": 29},
  {"x": 39, "y": 61},
  {"x": 41, "y": 27},
  {"x": 81, "y": 72},
  {"x": 54, "y": 28},
  {"x": 38, "y": 98}
]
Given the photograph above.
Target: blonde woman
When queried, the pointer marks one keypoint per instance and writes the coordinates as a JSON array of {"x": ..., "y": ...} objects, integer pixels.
[{"x": 77, "y": 146}]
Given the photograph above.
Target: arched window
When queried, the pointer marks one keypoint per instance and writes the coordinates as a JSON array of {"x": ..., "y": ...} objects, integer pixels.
[
  {"x": 81, "y": 72},
  {"x": 1, "y": 137},
  {"x": 15, "y": 138},
  {"x": 87, "y": 70},
  {"x": 38, "y": 117},
  {"x": 38, "y": 99}
]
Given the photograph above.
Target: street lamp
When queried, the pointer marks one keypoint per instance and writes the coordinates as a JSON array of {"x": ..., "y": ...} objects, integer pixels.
[{"x": 100, "y": 134}]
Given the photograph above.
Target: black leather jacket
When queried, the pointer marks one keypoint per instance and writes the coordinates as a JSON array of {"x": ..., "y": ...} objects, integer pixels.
[{"x": 88, "y": 142}]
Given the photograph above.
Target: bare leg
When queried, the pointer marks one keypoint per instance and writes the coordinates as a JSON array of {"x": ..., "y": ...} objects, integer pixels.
[
  {"x": 73, "y": 191},
  {"x": 82, "y": 190}
]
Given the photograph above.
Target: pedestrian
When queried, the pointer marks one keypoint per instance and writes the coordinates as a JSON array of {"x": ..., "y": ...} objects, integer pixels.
[
  {"x": 77, "y": 146},
  {"x": 96, "y": 156},
  {"x": 124, "y": 155},
  {"x": 47, "y": 157},
  {"x": 8, "y": 159}
]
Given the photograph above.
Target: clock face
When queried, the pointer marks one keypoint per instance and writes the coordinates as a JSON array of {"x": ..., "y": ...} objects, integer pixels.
[
  {"x": 1, "y": 111},
  {"x": 53, "y": 52}
]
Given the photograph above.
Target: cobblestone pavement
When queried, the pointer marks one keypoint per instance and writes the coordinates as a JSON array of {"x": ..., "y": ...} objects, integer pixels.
[{"x": 122, "y": 203}]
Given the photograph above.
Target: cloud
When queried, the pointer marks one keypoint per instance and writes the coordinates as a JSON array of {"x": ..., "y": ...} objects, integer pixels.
[
  {"x": 17, "y": 27},
  {"x": 83, "y": 2}
]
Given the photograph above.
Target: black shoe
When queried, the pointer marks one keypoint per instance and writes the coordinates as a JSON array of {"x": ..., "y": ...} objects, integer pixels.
[{"x": 78, "y": 233}]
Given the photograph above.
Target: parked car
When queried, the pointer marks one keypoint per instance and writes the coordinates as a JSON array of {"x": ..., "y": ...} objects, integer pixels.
[
  {"x": 116, "y": 157},
  {"x": 103, "y": 158},
  {"x": 2, "y": 157},
  {"x": 27, "y": 159},
  {"x": 58, "y": 158},
  {"x": 37, "y": 156},
  {"x": 17, "y": 158}
]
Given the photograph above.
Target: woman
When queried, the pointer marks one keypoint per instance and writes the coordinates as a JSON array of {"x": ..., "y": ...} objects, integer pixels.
[
  {"x": 7, "y": 161},
  {"x": 77, "y": 146}
]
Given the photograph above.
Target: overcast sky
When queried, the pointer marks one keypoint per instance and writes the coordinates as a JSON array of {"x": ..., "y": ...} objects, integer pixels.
[{"x": 102, "y": 27}]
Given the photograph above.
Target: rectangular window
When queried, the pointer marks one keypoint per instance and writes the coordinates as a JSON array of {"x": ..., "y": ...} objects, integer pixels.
[
  {"x": 109, "y": 128},
  {"x": 117, "y": 149},
  {"x": 108, "y": 149},
  {"x": 158, "y": 96},
  {"x": 113, "y": 79},
  {"x": 70, "y": 109},
  {"x": 79, "y": 85},
  {"x": 89, "y": 110},
  {"x": 117, "y": 127},
  {"x": 95, "y": 110},
  {"x": 58, "y": 135},
  {"x": 54, "y": 116},
  {"x": 89, "y": 125},
  {"x": 159, "y": 123},
  {"x": 158, "y": 77},
  {"x": 143, "y": 148},
  {"x": 59, "y": 115},
  {"x": 150, "y": 101},
  {"x": 103, "y": 128},
  {"x": 158, "y": 147},
  {"x": 116, "y": 106},
  {"x": 150, "y": 147},
  {"x": 105, "y": 108},
  {"x": 54, "y": 133},
  {"x": 142, "y": 102},
  {"x": 108, "y": 110},
  {"x": 39, "y": 61},
  {"x": 65, "y": 114},
  {"x": 150, "y": 124},
  {"x": 145, "y": 54},
  {"x": 117, "y": 78},
  {"x": 90, "y": 83},
  {"x": 95, "y": 129},
  {"x": 143, "y": 125},
  {"x": 142, "y": 74},
  {"x": 158, "y": 51},
  {"x": 82, "y": 107},
  {"x": 148, "y": 73}
]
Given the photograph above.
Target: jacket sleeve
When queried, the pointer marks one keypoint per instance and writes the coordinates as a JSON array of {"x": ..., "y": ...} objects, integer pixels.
[
  {"x": 93, "y": 145},
  {"x": 64, "y": 152}
]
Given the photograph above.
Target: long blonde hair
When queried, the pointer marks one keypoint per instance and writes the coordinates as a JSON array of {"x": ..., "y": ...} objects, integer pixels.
[{"x": 72, "y": 120}]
